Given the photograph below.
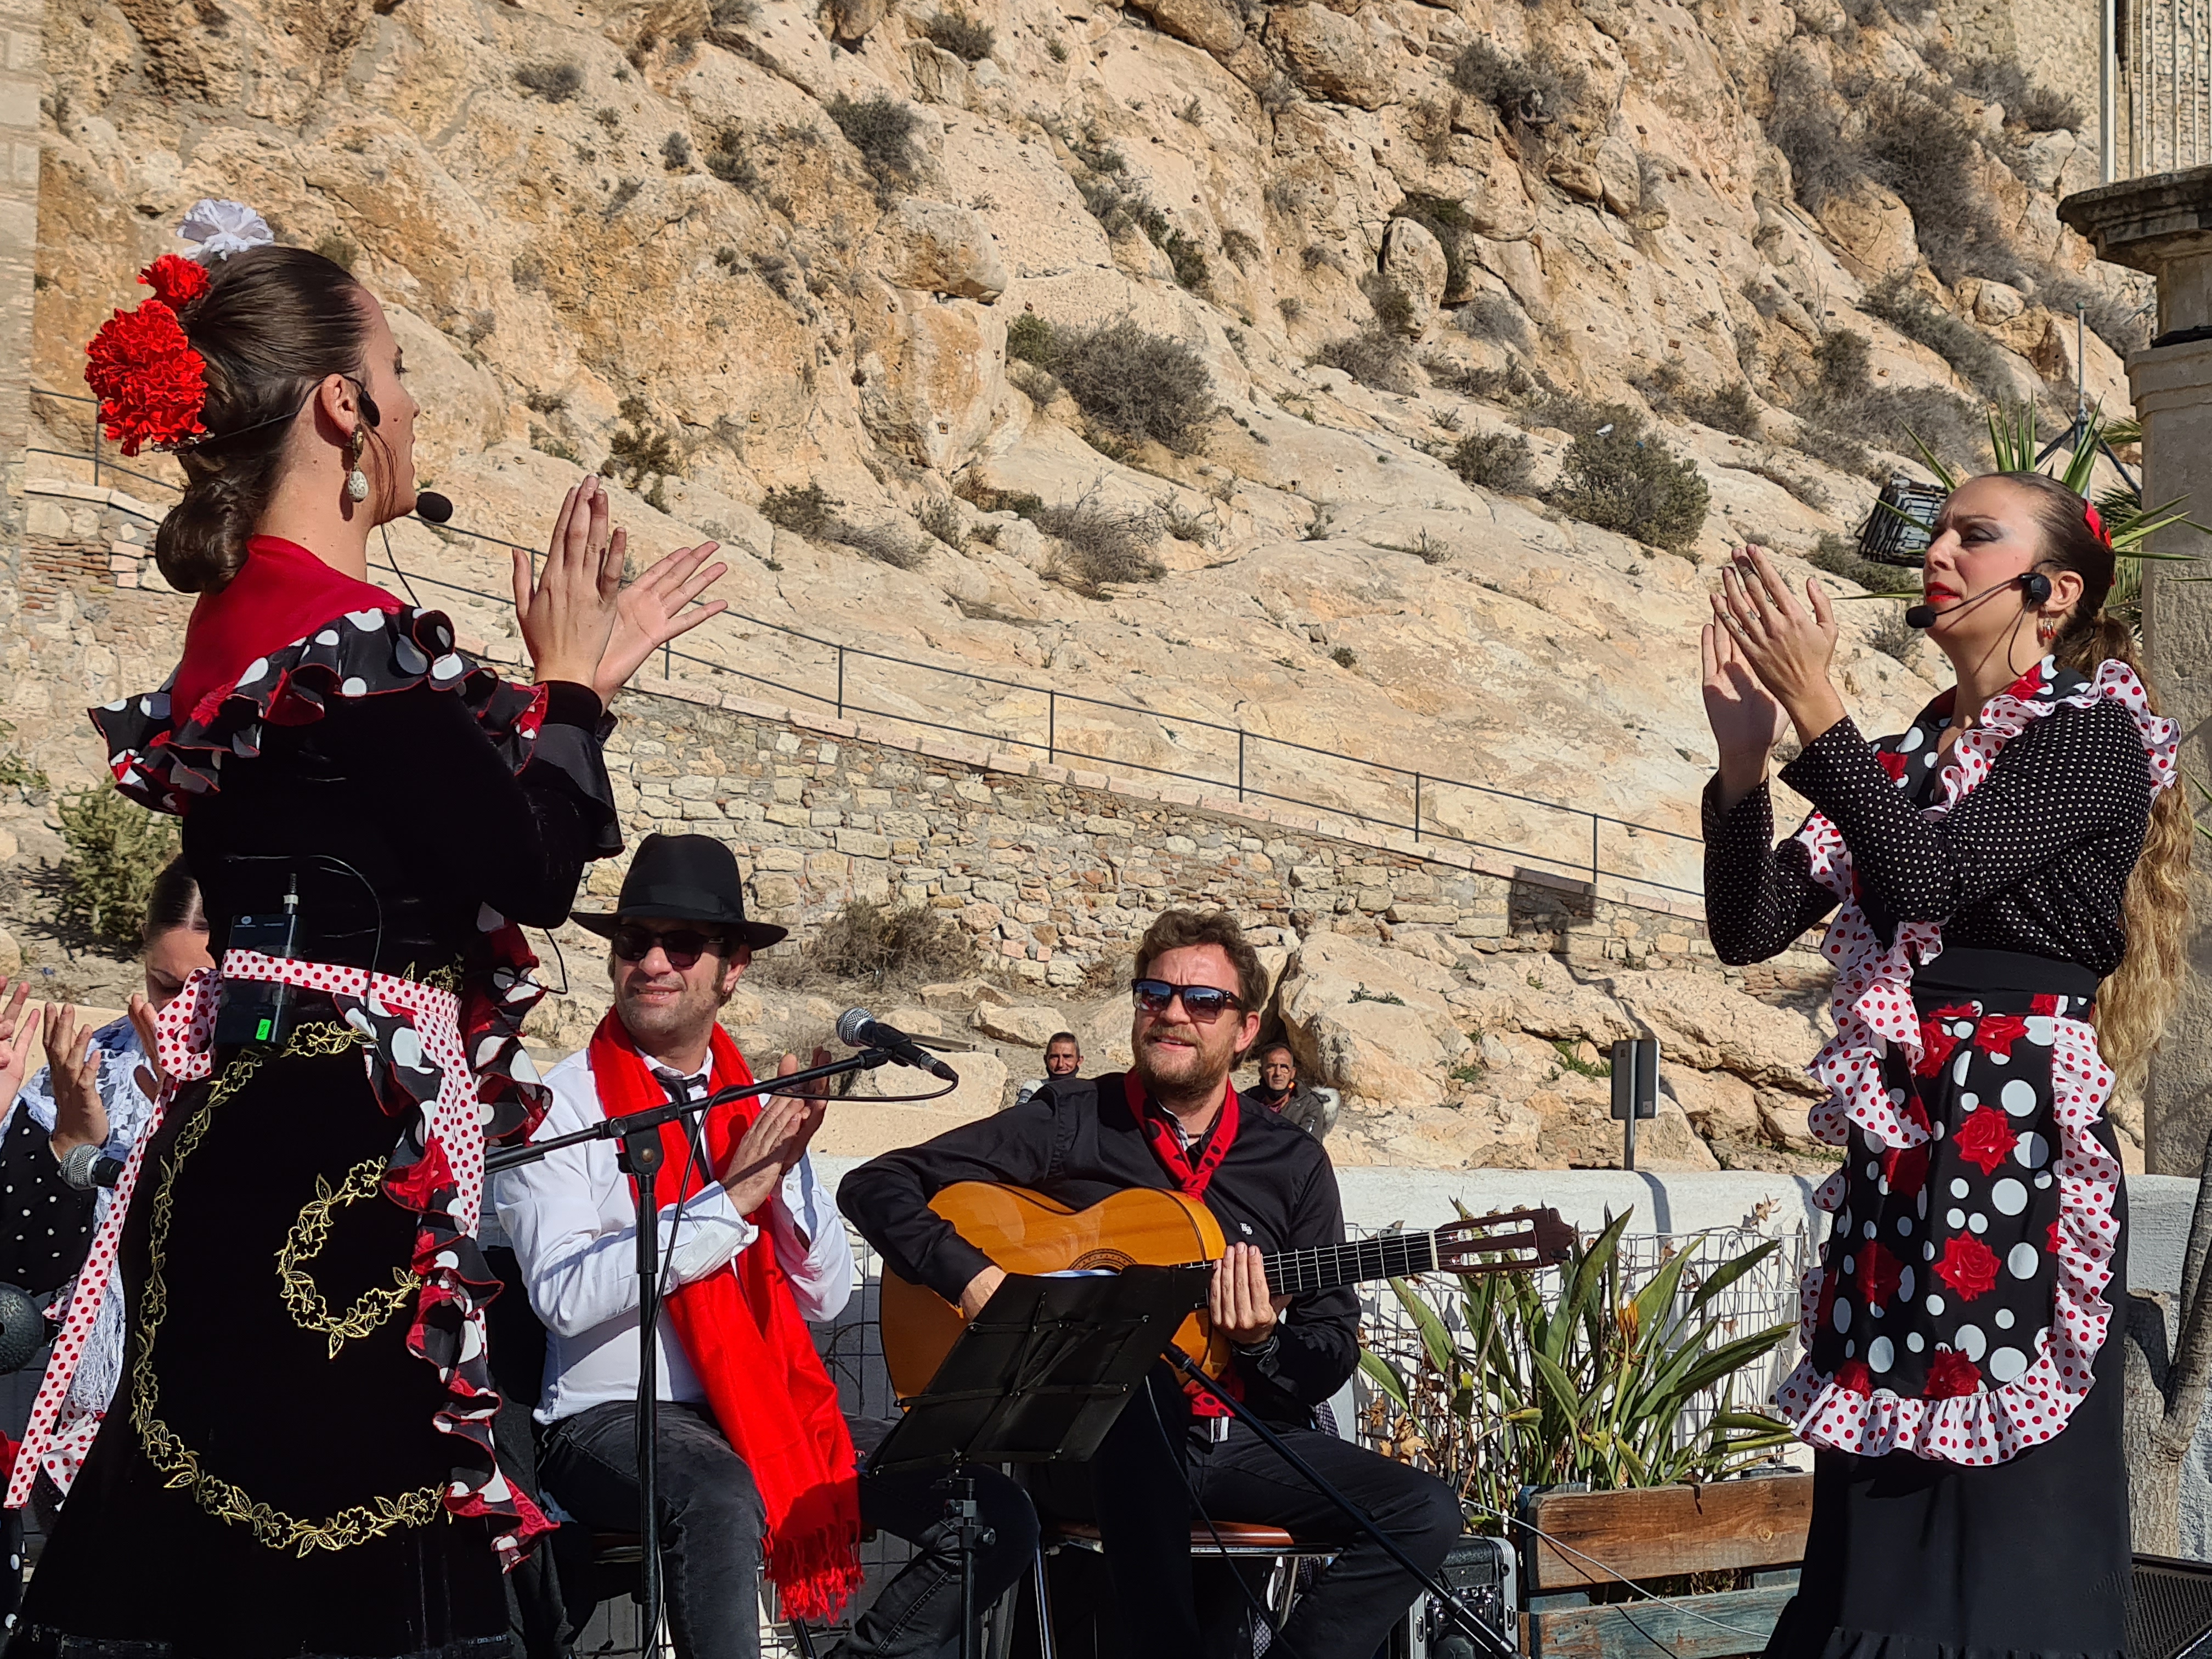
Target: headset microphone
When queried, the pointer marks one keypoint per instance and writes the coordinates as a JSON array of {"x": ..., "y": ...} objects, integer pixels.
[
  {"x": 431, "y": 506},
  {"x": 2034, "y": 588}
]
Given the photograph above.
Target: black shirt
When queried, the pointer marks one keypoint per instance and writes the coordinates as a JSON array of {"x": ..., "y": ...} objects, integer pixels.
[
  {"x": 1076, "y": 1142},
  {"x": 2035, "y": 859}
]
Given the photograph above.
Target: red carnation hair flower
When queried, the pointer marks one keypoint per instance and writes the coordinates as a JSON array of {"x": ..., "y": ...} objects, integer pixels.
[
  {"x": 175, "y": 280},
  {"x": 151, "y": 384},
  {"x": 1852, "y": 1377}
]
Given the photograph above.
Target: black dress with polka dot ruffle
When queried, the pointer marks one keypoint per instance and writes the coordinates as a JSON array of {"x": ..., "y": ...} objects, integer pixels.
[
  {"x": 272, "y": 1479},
  {"x": 1910, "y": 1557}
]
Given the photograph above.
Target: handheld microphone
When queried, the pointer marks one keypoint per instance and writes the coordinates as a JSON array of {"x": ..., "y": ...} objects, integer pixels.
[
  {"x": 2034, "y": 588},
  {"x": 429, "y": 505},
  {"x": 858, "y": 1029}
]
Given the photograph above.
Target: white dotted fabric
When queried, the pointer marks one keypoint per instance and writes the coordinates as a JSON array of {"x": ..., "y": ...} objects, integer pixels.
[{"x": 1874, "y": 1011}]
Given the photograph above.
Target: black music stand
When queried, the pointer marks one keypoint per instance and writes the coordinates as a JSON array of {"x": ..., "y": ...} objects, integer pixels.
[{"x": 1038, "y": 1376}]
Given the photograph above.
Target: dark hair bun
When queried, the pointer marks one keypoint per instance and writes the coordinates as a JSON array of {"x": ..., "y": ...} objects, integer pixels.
[{"x": 201, "y": 544}]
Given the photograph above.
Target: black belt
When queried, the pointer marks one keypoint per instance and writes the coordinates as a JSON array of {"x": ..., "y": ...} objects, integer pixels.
[{"x": 1970, "y": 967}]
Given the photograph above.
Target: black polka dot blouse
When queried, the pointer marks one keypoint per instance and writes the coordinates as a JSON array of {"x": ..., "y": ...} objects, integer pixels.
[{"x": 2035, "y": 859}]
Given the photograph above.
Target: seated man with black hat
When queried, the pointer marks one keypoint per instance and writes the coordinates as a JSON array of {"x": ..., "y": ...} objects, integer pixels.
[{"x": 755, "y": 1467}]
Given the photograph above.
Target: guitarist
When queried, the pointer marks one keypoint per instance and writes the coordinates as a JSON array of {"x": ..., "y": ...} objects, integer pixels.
[{"x": 1174, "y": 1122}]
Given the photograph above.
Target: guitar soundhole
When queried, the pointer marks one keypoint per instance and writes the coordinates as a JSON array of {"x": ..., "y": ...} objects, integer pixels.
[{"x": 1113, "y": 1260}]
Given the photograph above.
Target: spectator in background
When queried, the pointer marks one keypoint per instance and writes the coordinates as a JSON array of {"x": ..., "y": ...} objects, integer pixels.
[
  {"x": 1063, "y": 1057},
  {"x": 1312, "y": 1110},
  {"x": 95, "y": 1091}
]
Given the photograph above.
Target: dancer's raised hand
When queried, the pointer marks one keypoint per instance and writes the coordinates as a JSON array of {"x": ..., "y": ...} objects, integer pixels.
[
  {"x": 566, "y": 610},
  {"x": 1788, "y": 646},
  {"x": 652, "y": 611},
  {"x": 19, "y": 1029}
]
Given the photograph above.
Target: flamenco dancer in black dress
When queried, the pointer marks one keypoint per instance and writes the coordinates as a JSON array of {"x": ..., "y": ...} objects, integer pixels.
[
  {"x": 299, "y": 1459},
  {"x": 2008, "y": 871}
]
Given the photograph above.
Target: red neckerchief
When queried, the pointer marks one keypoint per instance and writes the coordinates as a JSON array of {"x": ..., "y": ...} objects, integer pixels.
[
  {"x": 1167, "y": 1146},
  {"x": 743, "y": 1333},
  {"x": 283, "y": 593}
]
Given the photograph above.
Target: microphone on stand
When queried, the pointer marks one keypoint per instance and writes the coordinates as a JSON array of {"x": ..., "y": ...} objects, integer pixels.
[
  {"x": 2034, "y": 586},
  {"x": 858, "y": 1029},
  {"x": 433, "y": 508}
]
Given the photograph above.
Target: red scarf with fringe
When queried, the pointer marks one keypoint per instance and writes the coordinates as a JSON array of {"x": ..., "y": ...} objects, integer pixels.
[{"x": 743, "y": 1333}]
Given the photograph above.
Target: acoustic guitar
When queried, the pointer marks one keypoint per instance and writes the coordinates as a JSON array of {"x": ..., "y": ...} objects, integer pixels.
[{"x": 1025, "y": 1232}]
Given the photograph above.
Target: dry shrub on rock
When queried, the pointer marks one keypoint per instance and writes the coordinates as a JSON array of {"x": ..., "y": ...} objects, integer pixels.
[
  {"x": 866, "y": 943},
  {"x": 1135, "y": 384},
  {"x": 1625, "y": 479},
  {"x": 1499, "y": 462},
  {"x": 1101, "y": 544},
  {"x": 1374, "y": 359}
]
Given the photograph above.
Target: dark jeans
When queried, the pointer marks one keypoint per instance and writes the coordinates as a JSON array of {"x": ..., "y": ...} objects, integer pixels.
[
  {"x": 917, "y": 1615},
  {"x": 710, "y": 1515},
  {"x": 1136, "y": 1494}
]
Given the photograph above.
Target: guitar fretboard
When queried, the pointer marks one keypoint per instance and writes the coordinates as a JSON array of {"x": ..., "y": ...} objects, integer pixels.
[{"x": 1298, "y": 1273}]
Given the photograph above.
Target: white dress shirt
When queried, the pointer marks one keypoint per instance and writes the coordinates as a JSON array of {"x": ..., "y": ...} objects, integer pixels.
[{"x": 572, "y": 1221}]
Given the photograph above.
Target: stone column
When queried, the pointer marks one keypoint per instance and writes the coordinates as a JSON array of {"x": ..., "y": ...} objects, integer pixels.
[{"x": 2163, "y": 225}]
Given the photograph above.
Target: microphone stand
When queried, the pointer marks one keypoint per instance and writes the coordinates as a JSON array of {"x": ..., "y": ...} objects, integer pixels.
[{"x": 641, "y": 1156}]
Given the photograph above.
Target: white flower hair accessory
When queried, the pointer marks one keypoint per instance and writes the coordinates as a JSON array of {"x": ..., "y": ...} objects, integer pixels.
[{"x": 223, "y": 228}]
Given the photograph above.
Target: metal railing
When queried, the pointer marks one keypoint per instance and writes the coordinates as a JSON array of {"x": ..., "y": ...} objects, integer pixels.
[{"x": 1255, "y": 766}]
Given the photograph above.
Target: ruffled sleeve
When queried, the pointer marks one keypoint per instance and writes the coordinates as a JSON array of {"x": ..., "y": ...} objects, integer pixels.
[{"x": 163, "y": 758}]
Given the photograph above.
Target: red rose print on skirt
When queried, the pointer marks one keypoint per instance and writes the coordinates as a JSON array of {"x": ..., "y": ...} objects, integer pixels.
[
  {"x": 1997, "y": 1033},
  {"x": 1936, "y": 1040},
  {"x": 1894, "y": 763},
  {"x": 1985, "y": 1139},
  {"x": 1950, "y": 1373},
  {"x": 1879, "y": 1274},
  {"x": 1969, "y": 1267},
  {"x": 1853, "y": 1376}
]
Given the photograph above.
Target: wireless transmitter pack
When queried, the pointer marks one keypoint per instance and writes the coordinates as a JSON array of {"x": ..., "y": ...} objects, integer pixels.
[{"x": 254, "y": 1013}]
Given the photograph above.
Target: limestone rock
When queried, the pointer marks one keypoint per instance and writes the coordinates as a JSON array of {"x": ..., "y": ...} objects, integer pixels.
[
  {"x": 1703, "y": 1023},
  {"x": 1621, "y": 178},
  {"x": 1873, "y": 227},
  {"x": 1720, "y": 1105},
  {"x": 1207, "y": 24},
  {"x": 1371, "y": 1022},
  {"x": 11, "y": 953},
  {"x": 1414, "y": 261},
  {"x": 937, "y": 247},
  {"x": 931, "y": 373},
  {"x": 1030, "y": 1024},
  {"x": 853, "y": 20},
  {"x": 857, "y": 1127},
  {"x": 1991, "y": 302},
  {"x": 1354, "y": 60}
]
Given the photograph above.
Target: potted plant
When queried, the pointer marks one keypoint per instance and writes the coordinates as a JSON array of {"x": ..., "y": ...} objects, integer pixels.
[{"x": 1591, "y": 1411}]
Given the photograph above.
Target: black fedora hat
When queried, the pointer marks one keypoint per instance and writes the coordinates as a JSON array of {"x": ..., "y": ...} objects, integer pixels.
[{"x": 685, "y": 879}]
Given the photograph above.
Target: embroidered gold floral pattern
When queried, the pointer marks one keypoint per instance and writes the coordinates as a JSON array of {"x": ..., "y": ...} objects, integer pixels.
[
  {"x": 178, "y": 1465},
  {"x": 303, "y": 1297}
]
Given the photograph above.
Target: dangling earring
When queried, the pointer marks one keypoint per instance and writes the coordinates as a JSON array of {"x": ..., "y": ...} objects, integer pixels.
[{"x": 356, "y": 480}]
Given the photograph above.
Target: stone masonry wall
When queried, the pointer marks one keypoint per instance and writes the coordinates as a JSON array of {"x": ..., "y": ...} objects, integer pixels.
[{"x": 1056, "y": 872}]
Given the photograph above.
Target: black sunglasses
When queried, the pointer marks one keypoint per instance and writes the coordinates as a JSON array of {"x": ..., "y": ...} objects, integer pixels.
[
  {"x": 683, "y": 946},
  {"x": 1203, "y": 1003}
]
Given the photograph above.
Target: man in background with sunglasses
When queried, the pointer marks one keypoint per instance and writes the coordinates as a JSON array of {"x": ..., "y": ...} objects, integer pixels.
[{"x": 1173, "y": 1122}]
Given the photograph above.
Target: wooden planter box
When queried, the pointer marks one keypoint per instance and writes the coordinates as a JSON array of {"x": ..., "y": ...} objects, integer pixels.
[{"x": 1660, "y": 1532}]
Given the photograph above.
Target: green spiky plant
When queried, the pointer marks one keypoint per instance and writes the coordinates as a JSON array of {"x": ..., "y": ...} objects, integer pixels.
[{"x": 1592, "y": 1383}]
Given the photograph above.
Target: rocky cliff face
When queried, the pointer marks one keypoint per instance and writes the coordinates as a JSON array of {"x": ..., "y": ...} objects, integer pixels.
[
  {"x": 733, "y": 252},
  {"x": 1269, "y": 365}
]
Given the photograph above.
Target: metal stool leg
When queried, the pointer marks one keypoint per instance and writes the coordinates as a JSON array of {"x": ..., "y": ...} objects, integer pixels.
[
  {"x": 803, "y": 1639},
  {"x": 1044, "y": 1607}
]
